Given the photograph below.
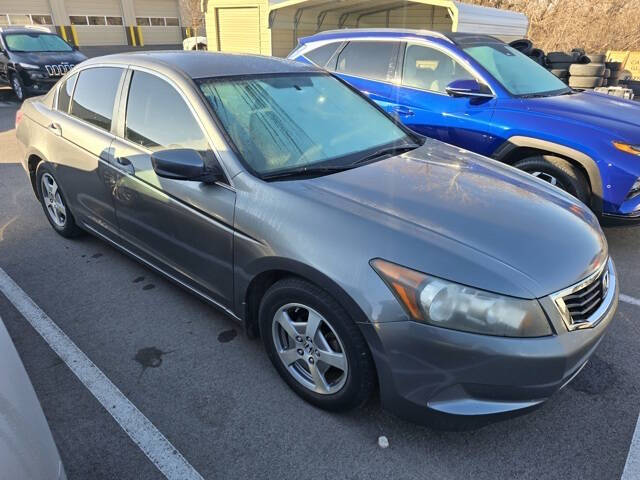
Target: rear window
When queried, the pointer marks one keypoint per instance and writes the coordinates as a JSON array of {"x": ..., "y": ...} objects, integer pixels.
[
  {"x": 374, "y": 60},
  {"x": 321, "y": 55},
  {"x": 65, "y": 92},
  {"x": 95, "y": 95}
]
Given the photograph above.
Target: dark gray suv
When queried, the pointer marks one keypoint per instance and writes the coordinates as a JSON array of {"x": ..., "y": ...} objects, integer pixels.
[{"x": 361, "y": 253}]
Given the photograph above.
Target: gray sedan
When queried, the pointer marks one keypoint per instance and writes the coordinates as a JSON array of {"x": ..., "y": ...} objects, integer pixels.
[{"x": 364, "y": 255}]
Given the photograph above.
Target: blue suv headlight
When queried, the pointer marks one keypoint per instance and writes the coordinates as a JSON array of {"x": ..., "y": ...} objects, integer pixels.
[{"x": 635, "y": 190}]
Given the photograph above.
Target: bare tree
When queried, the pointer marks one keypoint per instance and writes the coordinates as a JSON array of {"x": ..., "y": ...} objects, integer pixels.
[
  {"x": 193, "y": 16},
  {"x": 595, "y": 25}
]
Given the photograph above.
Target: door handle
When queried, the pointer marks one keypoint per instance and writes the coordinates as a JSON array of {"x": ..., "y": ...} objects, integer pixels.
[
  {"x": 403, "y": 111},
  {"x": 55, "y": 128},
  {"x": 125, "y": 164}
]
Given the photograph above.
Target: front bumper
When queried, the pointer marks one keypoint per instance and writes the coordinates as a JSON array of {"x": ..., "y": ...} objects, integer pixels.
[
  {"x": 426, "y": 371},
  {"x": 36, "y": 82}
]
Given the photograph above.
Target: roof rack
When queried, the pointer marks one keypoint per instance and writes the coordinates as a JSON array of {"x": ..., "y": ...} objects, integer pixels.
[{"x": 415, "y": 31}]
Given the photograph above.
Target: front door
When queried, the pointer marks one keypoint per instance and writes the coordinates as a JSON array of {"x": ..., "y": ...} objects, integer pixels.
[
  {"x": 186, "y": 227},
  {"x": 424, "y": 106}
]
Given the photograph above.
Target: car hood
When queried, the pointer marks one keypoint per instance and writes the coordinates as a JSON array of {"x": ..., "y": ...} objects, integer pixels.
[
  {"x": 49, "y": 58},
  {"x": 619, "y": 117},
  {"x": 460, "y": 216}
]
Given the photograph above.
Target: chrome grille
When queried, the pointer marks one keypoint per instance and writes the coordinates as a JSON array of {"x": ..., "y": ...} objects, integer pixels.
[
  {"x": 584, "y": 302},
  {"x": 58, "y": 70}
]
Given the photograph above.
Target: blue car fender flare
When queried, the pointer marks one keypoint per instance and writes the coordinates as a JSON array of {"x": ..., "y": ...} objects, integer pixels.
[{"x": 588, "y": 163}]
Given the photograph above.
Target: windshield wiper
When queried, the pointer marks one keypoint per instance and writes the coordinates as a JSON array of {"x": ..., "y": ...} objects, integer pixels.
[
  {"x": 307, "y": 172},
  {"x": 394, "y": 150}
]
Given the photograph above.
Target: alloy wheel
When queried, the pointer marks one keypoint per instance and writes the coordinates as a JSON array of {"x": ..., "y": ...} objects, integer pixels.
[
  {"x": 310, "y": 348},
  {"x": 547, "y": 177},
  {"x": 17, "y": 87},
  {"x": 53, "y": 201}
]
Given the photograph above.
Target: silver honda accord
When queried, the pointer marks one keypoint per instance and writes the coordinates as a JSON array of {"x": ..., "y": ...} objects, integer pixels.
[{"x": 364, "y": 255}]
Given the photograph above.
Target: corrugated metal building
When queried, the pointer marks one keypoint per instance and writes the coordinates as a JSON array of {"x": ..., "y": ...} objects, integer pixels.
[
  {"x": 101, "y": 22},
  {"x": 272, "y": 27}
]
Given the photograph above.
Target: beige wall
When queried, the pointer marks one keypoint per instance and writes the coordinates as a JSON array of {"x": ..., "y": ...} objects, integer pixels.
[
  {"x": 95, "y": 35},
  {"x": 25, "y": 7}
]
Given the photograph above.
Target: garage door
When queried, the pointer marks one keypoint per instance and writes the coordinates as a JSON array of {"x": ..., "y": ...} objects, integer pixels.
[
  {"x": 239, "y": 29},
  {"x": 159, "y": 21},
  {"x": 97, "y": 22}
]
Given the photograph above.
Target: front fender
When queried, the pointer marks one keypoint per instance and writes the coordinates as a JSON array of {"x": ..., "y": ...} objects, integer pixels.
[{"x": 587, "y": 162}]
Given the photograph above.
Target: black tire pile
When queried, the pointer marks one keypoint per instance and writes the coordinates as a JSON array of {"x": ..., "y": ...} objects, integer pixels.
[{"x": 577, "y": 68}]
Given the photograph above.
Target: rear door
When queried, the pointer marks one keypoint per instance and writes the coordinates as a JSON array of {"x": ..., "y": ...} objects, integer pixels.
[
  {"x": 370, "y": 66},
  {"x": 184, "y": 227},
  {"x": 78, "y": 142},
  {"x": 424, "y": 105}
]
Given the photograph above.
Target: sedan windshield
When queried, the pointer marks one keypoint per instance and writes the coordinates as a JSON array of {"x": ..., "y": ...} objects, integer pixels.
[
  {"x": 36, "y": 42},
  {"x": 301, "y": 123},
  {"x": 520, "y": 75}
]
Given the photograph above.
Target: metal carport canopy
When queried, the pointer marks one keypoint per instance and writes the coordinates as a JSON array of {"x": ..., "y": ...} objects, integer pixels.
[{"x": 465, "y": 17}]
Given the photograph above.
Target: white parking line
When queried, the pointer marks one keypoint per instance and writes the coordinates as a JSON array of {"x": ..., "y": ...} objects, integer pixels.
[
  {"x": 627, "y": 299},
  {"x": 143, "y": 433}
]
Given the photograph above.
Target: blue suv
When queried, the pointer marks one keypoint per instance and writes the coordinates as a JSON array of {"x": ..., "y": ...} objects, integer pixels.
[{"x": 478, "y": 93}]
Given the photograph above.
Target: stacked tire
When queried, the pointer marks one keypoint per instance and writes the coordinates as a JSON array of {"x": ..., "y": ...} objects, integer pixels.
[
  {"x": 589, "y": 75},
  {"x": 560, "y": 63},
  {"x": 526, "y": 46}
]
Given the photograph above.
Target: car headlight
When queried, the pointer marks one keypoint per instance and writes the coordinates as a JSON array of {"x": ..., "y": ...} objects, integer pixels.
[
  {"x": 625, "y": 147},
  {"x": 29, "y": 66},
  {"x": 447, "y": 304}
]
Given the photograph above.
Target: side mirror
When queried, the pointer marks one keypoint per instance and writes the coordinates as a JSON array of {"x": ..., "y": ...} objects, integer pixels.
[
  {"x": 184, "y": 164},
  {"x": 468, "y": 88},
  {"x": 75, "y": 48}
]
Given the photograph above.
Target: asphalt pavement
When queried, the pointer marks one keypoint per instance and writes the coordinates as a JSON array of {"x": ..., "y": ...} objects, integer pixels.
[{"x": 213, "y": 394}]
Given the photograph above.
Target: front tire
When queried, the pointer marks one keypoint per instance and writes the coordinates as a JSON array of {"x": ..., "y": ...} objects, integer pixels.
[
  {"x": 54, "y": 203},
  {"x": 17, "y": 86},
  {"x": 558, "y": 172},
  {"x": 315, "y": 346}
]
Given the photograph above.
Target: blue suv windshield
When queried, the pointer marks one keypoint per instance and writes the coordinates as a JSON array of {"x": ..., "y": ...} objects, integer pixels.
[
  {"x": 290, "y": 122},
  {"x": 517, "y": 73}
]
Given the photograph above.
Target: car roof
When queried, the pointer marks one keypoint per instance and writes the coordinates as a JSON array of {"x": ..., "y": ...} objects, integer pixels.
[
  {"x": 201, "y": 64},
  {"x": 454, "y": 38},
  {"x": 10, "y": 29}
]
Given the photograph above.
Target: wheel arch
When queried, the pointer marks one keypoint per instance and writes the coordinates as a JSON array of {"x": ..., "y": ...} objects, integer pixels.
[
  {"x": 519, "y": 147},
  {"x": 267, "y": 271},
  {"x": 34, "y": 159}
]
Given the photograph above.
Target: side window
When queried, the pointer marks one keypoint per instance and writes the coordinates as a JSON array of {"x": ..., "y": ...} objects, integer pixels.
[
  {"x": 64, "y": 94},
  {"x": 374, "y": 60},
  {"x": 321, "y": 55},
  {"x": 430, "y": 69},
  {"x": 158, "y": 118},
  {"x": 95, "y": 95}
]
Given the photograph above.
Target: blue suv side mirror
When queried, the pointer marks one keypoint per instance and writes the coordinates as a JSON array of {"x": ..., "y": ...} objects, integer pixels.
[{"x": 468, "y": 88}]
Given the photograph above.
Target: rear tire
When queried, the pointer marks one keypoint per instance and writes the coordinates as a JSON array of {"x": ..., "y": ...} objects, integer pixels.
[
  {"x": 285, "y": 317},
  {"x": 558, "y": 172},
  {"x": 54, "y": 203}
]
